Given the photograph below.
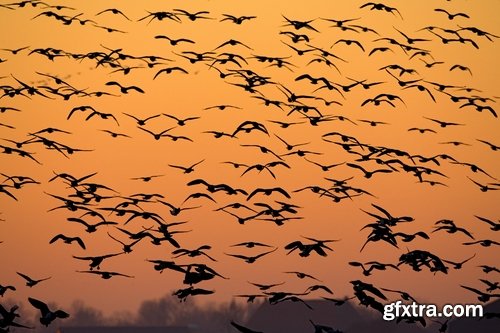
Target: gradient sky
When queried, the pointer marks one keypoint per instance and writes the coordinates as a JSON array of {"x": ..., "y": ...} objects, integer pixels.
[{"x": 28, "y": 227}]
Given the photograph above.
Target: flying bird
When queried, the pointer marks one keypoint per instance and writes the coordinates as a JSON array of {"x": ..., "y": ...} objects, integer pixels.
[
  {"x": 106, "y": 275},
  {"x": 47, "y": 316},
  {"x": 451, "y": 16},
  {"x": 31, "y": 282},
  {"x": 68, "y": 240},
  {"x": 124, "y": 89}
]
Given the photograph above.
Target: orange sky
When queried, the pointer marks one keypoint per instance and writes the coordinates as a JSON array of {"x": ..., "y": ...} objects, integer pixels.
[{"x": 28, "y": 226}]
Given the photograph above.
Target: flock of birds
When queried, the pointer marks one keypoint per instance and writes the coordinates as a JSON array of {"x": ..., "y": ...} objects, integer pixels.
[{"x": 101, "y": 209}]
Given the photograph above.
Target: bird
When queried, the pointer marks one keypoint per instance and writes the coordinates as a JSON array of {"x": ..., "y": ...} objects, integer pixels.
[
  {"x": 251, "y": 244},
  {"x": 96, "y": 261},
  {"x": 182, "y": 294},
  {"x": 116, "y": 134},
  {"x": 141, "y": 122},
  {"x": 302, "y": 275},
  {"x": 127, "y": 248},
  {"x": 373, "y": 265},
  {"x": 174, "y": 210},
  {"x": 349, "y": 42},
  {"x": 381, "y": 7},
  {"x": 193, "y": 16},
  {"x": 444, "y": 124},
  {"x": 473, "y": 168},
  {"x": 31, "y": 282},
  {"x": 3, "y": 189},
  {"x": 373, "y": 123},
  {"x": 90, "y": 228},
  {"x": 450, "y": 15},
  {"x": 157, "y": 136},
  {"x": 487, "y": 187},
  {"x": 251, "y": 297},
  {"x": 263, "y": 150},
  {"x": 495, "y": 226},
  {"x": 222, "y": 107},
  {"x": 268, "y": 192},
  {"x": 109, "y": 29},
  {"x": 243, "y": 329},
  {"x": 47, "y": 316},
  {"x": 318, "y": 287},
  {"x": 250, "y": 259},
  {"x": 105, "y": 275},
  {"x": 305, "y": 250},
  {"x": 450, "y": 227},
  {"x": 180, "y": 122},
  {"x": 3, "y": 289},
  {"x": 198, "y": 195},
  {"x": 299, "y": 24},
  {"x": 124, "y": 89},
  {"x": 487, "y": 269},
  {"x": 249, "y": 126},
  {"x": 265, "y": 287},
  {"x": 173, "y": 41},
  {"x": 68, "y": 240},
  {"x": 368, "y": 174},
  {"x": 17, "y": 50},
  {"x": 483, "y": 242},
  {"x": 187, "y": 169},
  {"x": 461, "y": 67},
  {"x": 113, "y": 11},
  {"x": 169, "y": 70},
  {"x": 492, "y": 286},
  {"x": 458, "y": 265},
  {"x": 146, "y": 178},
  {"x": 325, "y": 167},
  {"x": 491, "y": 145},
  {"x": 237, "y": 19},
  {"x": 444, "y": 325},
  {"x": 267, "y": 167},
  {"x": 193, "y": 253},
  {"x": 483, "y": 297}
]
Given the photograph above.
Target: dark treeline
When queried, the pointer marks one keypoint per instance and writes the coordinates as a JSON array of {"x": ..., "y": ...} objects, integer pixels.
[
  {"x": 262, "y": 316},
  {"x": 164, "y": 311}
]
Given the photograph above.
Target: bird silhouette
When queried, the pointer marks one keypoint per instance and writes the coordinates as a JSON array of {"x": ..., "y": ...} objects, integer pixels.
[
  {"x": 96, "y": 261},
  {"x": 47, "y": 316},
  {"x": 450, "y": 227},
  {"x": 450, "y": 15},
  {"x": 3, "y": 289},
  {"x": 68, "y": 240},
  {"x": 302, "y": 275},
  {"x": 113, "y": 11},
  {"x": 237, "y": 19},
  {"x": 483, "y": 242},
  {"x": 251, "y": 259},
  {"x": 268, "y": 192},
  {"x": 193, "y": 253},
  {"x": 141, "y": 122},
  {"x": 483, "y": 297},
  {"x": 458, "y": 265},
  {"x": 373, "y": 265},
  {"x": 243, "y": 329},
  {"x": 32, "y": 282},
  {"x": 157, "y": 136},
  {"x": 492, "y": 286},
  {"x": 495, "y": 226},
  {"x": 105, "y": 275},
  {"x": 251, "y": 244},
  {"x": 90, "y": 228},
  {"x": 124, "y": 89}
]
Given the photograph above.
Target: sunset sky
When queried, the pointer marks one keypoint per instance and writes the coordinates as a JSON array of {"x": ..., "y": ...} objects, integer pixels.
[{"x": 26, "y": 226}]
